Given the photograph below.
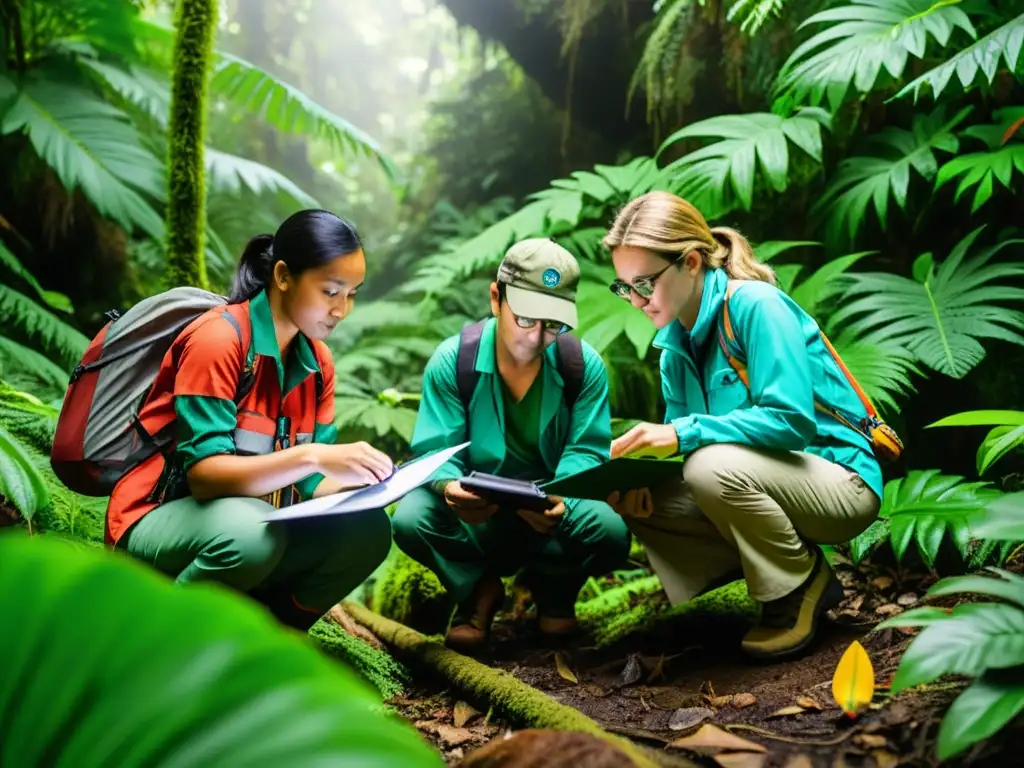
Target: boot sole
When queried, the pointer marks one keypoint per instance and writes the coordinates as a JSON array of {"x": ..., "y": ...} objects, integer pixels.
[{"x": 832, "y": 597}]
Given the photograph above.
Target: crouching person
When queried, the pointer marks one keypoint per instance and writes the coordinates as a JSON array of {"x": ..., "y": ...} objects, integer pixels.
[{"x": 534, "y": 403}]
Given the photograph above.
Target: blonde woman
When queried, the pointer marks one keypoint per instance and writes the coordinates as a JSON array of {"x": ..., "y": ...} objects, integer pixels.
[{"x": 766, "y": 475}]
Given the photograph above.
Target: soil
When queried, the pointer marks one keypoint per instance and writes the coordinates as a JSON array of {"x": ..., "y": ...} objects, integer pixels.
[{"x": 638, "y": 687}]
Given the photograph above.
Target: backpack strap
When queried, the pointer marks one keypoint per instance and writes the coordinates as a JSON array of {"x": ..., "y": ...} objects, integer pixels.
[
  {"x": 571, "y": 366},
  {"x": 247, "y": 376},
  {"x": 466, "y": 374}
]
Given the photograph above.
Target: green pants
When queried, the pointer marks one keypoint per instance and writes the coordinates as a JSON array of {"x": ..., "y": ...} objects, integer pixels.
[
  {"x": 295, "y": 567},
  {"x": 589, "y": 541}
]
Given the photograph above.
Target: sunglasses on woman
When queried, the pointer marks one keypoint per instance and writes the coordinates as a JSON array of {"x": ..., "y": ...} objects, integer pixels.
[
  {"x": 644, "y": 286},
  {"x": 551, "y": 326}
]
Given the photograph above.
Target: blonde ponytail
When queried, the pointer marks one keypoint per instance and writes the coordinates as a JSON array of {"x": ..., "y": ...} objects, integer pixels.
[{"x": 667, "y": 224}]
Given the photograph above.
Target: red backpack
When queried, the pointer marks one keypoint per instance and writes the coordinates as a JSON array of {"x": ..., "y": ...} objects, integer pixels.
[{"x": 99, "y": 436}]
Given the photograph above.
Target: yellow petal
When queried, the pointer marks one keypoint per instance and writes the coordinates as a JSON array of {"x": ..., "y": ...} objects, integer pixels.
[{"x": 853, "y": 683}]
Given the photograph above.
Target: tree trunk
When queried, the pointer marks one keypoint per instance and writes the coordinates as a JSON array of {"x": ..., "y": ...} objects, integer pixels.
[{"x": 196, "y": 23}]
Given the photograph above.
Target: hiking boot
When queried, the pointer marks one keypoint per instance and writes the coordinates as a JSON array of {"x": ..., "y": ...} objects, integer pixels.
[
  {"x": 471, "y": 628},
  {"x": 788, "y": 624}
]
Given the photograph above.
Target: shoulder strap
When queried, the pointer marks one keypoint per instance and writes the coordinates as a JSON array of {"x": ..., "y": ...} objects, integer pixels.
[
  {"x": 247, "y": 376},
  {"x": 466, "y": 375},
  {"x": 571, "y": 366},
  {"x": 727, "y": 338}
]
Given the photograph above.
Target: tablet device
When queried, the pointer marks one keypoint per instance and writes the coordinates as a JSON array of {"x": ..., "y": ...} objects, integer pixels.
[
  {"x": 506, "y": 492},
  {"x": 621, "y": 475}
]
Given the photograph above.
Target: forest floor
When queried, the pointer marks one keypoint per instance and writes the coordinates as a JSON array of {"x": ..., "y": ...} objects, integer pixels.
[{"x": 660, "y": 686}]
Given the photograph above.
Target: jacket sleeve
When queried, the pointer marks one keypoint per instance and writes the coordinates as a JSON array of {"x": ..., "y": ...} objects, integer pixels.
[
  {"x": 590, "y": 433},
  {"x": 441, "y": 421},
  {"x": 324, "y": 430},
  {"x": 781, "y": 416}
]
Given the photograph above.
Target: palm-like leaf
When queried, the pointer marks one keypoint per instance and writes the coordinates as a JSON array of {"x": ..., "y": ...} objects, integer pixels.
[
  {"x": 868, "y": 180},
  {"x": 923, "y": 508},
  {"x": 603, "y": 316},
  {"x": 233, "y": 173},
  {"x": 882, "y": 368},
  {"x": 52, "y": 299},
  {"x": 860, "y": 40},
  {"x": 720, "y": 177},
  {"x": 30, "y": 371},
  {"x": 754, "y": 13},
  {"x": 1007, "y": 435},
  {"x": 982, "y": 169},
  {"x": 20, "y": 482},
  {"x": 144, "y": 88},
  {"x": 375, "y": 414},
  {"x": 1003, "y": 519},
  {"x": 89, "y": 145},
  {"x": 939, "y": 314},
  {"x": 21, "y": 314},
  {"x": 983, "y": 56}
]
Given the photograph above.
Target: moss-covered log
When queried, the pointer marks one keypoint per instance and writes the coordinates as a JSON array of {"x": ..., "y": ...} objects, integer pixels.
[
  {"x": 488, "y": 687},
  {"x": 196, "y": 23},
  {"x": 410, "y": 594},
  {"x": 377, "y": 666}
]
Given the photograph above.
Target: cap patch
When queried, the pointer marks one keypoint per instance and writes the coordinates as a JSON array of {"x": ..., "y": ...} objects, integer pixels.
[{"x": 551, "y": 277}]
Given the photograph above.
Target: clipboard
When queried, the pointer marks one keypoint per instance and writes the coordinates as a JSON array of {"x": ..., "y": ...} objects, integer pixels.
[
  {"x": 506, "y": 492},
  {"x": 622, "y": 474},
  {"x": 404, "y": 479}
]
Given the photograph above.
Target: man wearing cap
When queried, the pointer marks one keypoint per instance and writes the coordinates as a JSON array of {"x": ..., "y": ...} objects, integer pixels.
[{"x": 523, "y": 423}]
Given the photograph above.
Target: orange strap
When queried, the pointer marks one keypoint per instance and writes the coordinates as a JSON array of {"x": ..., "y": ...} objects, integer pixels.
[{"x": 741, "y": 368}]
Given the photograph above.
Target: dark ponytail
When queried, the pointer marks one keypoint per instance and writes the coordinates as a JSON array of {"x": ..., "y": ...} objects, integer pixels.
[{"x": 305, "y": 240}]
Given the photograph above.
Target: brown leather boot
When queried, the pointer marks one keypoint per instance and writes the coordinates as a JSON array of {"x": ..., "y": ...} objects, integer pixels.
[{"x": 471, "y": 627}]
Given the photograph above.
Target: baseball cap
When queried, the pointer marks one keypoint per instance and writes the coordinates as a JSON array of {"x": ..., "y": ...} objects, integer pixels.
[{"x": 541, "y": 278}]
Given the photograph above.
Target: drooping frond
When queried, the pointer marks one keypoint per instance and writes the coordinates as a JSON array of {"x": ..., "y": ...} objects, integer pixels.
[
  {"x": 232, "y": 173},
  {"x": 23, "y": 316},
  {"x": 982, "y": 169}
]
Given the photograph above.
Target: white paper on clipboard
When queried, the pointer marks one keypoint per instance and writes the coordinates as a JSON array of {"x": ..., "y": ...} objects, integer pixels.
[{"x": 406, "y": 478}]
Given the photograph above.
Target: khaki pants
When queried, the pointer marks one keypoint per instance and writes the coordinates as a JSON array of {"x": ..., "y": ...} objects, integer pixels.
[{"x": 738, "y": 507}]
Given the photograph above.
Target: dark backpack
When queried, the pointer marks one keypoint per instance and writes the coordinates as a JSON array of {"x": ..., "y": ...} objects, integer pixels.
[{"x": 569, "y": 356}]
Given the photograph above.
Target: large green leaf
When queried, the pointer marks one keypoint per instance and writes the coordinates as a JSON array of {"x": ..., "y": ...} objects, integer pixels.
[
  {"x": 1008, "y": 434},
  {"x": 720, "y": 177},
  {"x": 52, "y": 299},
  {"x": 89, "y": 145},
  {"x": 883, "y": 369},
  {"x": 986, "y": 706},
  {"x": 860, "y": 40},
  {"x": 868, "y": 180},
  {"x": 20, "y": 482},
  {"x": 1003, "y": 519},
  {"x": 976, "y": 637},
  {"x": 166, "y": 676},
  {"x": 1005, "y": 586},
  {"x": 983, "y": 169},
  {"x": 941, "y": 313},
  {"x": 604, "y": 317},
  {"x": 28, "y": 319},
  {"x": 812, "y": 292},
  {"x": 28, "y": 370},
  {"x": 983, "y": 56},
  {"x": 145, "y": 88},
  {"x": 232, "y": 173},
  {"x": 926, "y": 506}
]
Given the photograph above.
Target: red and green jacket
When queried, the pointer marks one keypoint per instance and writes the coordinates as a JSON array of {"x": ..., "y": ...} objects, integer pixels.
[{"x": 196, "y": 388}]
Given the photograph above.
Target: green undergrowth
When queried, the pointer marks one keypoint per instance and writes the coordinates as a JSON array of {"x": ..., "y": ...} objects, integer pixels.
[
  {"x": 378, "y": 667},
  {"x": 410, "y": 594}
]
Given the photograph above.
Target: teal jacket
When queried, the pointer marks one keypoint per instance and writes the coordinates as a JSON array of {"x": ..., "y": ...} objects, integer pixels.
[
  {"x": 788, "y": 366},
  {"x": 569, "y": 442}
]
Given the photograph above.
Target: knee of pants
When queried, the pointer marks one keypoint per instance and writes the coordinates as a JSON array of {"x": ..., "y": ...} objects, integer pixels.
[
  {"x": 243, "y": 542},
  {"x": 409, "y": 520},
  {"x": 369, "y": 540},
  {"x": 704, "y": 471},
  {"x": 600, "y": 535}
]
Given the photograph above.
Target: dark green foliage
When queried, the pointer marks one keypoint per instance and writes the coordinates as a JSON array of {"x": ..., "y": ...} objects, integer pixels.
[{"x": 196, "y": 22}]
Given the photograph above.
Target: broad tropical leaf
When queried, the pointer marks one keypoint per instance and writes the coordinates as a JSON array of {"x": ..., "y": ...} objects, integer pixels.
[
  {"x": 983, "y": 56},
  {"x": 860, "y": 40},
  {"x": 720, "y": 177},
  {"x": 604, "y": 317},
  {"x": 943, "y": 312},
  {"x": 982, "y": 169},
  {"x": 823, "y": 284},
  {"x": 52, "y": 299},
  {"x": 27, "y": 370},
  {"x": 232, "y": 173},
  {"x": 923, "y": 508},
  {"x": 882, "y": 368},
  {"x": 376, "y": 414},
  {"x": 989, "y": 703},
  {"x": 186, "y": 661},
  {"x": 1005, "y": 586},
  {"x": 146, "y": 89},
  {"x": 1003, "y": 519},
  {"x": 89, "y": 145},
  {"x": 869, "y": 180},
  {"x": 21, "y": 314},
  {"x": 21, "y": 484},
  {"x": 1007, "y": 435}
]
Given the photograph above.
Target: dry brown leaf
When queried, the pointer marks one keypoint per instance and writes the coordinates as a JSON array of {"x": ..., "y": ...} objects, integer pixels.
[
  {"x": 741, "y": 700},
  {"x": 889, "y": 609},
  {"x": 684, "y": 719},
  {"x": 881, "y": 582},
  {"x": 707, "y": 689},
  {"x": 799, "y": 761},
  {"x": 720, "y": 701},
  {"x": 808, "y": 703},
  {"x": 562, "y": 665},
  {"x": 633, "y": 670},
  {"x": 453, "y": 737},
  {"x": 740, "y": 759},
  {"x": 462, "y": 714},
  {"x": 869, "y": 740},
  {"x": 792, "y": 709},
  {"x": 855, "y": 603},
  {"x": 711, "y": 739},
  {"x": 907, "y": 599}
]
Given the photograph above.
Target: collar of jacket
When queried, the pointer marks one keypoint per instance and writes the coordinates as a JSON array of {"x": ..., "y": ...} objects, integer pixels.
[{"x": 675, "y": 338}]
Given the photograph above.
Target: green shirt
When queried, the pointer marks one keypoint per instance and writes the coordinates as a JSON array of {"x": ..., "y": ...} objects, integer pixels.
[{"x": 522, "y": 433}]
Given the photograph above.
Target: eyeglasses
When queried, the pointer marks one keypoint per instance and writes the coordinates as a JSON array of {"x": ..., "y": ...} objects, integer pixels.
[
  {"x": 552, "y": 326},
  {"x": 644, "y": 286}
]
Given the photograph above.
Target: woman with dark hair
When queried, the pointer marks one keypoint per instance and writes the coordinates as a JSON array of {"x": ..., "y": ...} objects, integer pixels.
[{"x": 247, "y": 393}]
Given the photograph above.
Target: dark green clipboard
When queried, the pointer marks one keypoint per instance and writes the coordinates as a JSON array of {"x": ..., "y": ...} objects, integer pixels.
[{"x": 621, "y": 474}]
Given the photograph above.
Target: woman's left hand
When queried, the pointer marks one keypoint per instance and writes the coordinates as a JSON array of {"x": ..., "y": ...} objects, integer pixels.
[{"x": 657, "y": 440}]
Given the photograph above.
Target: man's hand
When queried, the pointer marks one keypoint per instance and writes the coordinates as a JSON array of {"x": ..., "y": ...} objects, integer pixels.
[
  {"x": 645, "y": 439},
  {"x": 634, "y": 503},
  {"x": 470, "y": 508},
  {"x": 546, "y": 521}
]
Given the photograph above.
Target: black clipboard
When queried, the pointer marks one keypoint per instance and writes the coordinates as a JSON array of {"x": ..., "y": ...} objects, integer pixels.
[
  {"x": 622, "y": 474},
  {"x": 506, "y": 492}
]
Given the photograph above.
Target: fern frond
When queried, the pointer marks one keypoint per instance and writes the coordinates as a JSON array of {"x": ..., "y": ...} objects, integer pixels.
[
  {"x": 28, "y": 371},
  {"x": 659, "y": 65},
  {"x": 754, "y": 13},
  {"x": 982, "y": 169},
  {"x": 52, "y": 299},
  {"x": 24, "y": 316},
  {"x": 232, "y": 173}
]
